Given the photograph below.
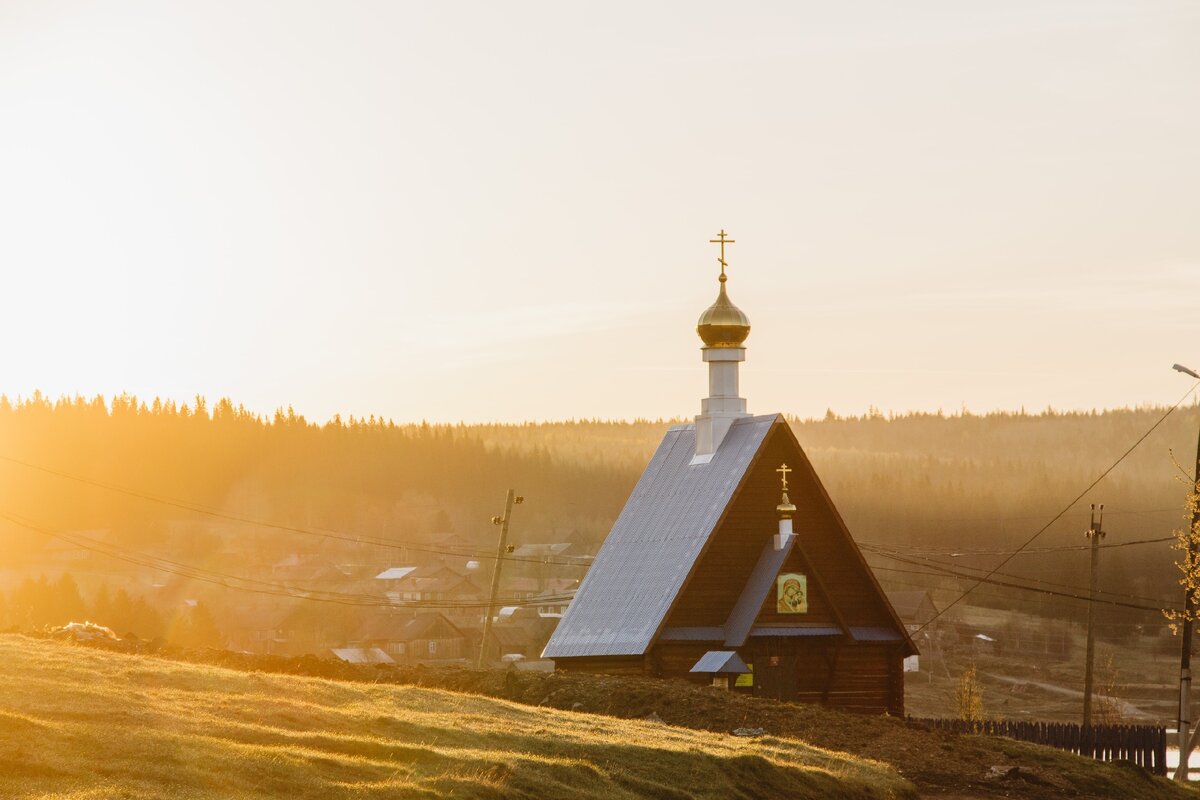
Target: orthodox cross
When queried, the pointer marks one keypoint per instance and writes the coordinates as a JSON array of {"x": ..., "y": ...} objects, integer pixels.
[
  {"x": 721, "y": 240},
  {"x": 783, "y": 470}
]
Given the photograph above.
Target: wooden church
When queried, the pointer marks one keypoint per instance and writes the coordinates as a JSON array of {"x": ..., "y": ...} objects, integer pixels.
[{"x": 719, "y": 558}]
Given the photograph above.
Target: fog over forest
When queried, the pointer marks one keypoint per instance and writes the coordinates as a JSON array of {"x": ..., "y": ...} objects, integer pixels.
[{"x": 917, "y": 490}]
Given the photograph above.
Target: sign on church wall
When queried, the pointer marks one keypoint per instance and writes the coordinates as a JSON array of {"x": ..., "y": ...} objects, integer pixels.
[
  {"x": 746, "y": 678},
  {"x": 791, "y": 593}
]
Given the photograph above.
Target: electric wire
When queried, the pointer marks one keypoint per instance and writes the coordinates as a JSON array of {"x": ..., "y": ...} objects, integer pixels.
[
  {"x": 961, "y": 553},
  {"x": 1065, "y": 509},
  {"x": 924, "y": 561},
  {"x": 256, "y": 586},
  {"x": 1005, "y": 598},
  {"x": 994, "y": 582},
  {"x": 228, "y": 517}
]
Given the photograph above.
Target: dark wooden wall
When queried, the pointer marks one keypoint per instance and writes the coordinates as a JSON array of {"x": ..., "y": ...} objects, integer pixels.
[
  {"x": 605, "y": 665},
  {"x": 864, "y": 678}
]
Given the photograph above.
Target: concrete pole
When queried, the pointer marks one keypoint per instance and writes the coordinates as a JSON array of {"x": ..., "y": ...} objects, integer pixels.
[{"x": 1095, "y": 533}]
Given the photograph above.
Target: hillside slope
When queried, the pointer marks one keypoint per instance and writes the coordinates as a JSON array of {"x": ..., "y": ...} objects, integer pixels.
[{"x": 80, "y": 723}]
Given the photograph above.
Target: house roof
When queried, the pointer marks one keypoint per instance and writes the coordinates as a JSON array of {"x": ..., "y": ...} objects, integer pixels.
[
  {"x": 745, "y": 611},
  {"x": 381, "y": 626},
  {"x": 720, "y": 662},
  {"x": 655, "y": 542},
  {"x": 394, "y": 573},
  {"x": 362, "y": 655},
  {"x": 514, "y": 634},
  {"x": 907, "y": 603},
  {"x": 447, "y": 584},
  {"x": 423, "y": 624}
]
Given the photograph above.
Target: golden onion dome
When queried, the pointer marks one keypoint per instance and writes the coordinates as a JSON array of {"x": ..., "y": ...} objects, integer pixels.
[{"x": 723, "y": 324}]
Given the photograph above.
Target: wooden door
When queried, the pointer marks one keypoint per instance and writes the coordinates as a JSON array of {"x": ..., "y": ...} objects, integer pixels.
[{"x": 775, "y": 670}]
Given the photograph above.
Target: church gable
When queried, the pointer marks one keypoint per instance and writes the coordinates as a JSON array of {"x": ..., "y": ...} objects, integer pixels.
[{"x": 841, "y": 591}]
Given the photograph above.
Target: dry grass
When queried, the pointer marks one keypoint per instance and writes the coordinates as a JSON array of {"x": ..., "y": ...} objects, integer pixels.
[{"x": 78, "y": 724}]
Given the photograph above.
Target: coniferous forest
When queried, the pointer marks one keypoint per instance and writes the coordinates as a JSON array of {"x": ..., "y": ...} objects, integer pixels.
[{"x": 955, "y": 491}]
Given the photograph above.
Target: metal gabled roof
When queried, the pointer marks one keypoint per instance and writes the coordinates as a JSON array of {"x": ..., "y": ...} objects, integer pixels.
[
  {"x": 720, "y": 662},
  {"x": 656, "y": 542},
  {"x": 394, "y": 573},
  {"x": 745, "y": 611}
]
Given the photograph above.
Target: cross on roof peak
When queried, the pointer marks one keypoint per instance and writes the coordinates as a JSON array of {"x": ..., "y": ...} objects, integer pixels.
[
  {"x": 783, "y": 471},
  {"x": 722, "y": 240}
]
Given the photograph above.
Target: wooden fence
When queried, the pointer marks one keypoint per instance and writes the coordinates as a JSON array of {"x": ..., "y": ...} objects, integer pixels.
[{"x": 1144, "y": 745}]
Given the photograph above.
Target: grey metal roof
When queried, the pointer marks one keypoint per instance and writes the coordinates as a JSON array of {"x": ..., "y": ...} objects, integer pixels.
[
  {"x": 720, "y": 662},
  {"x": 908, "y": 603},
  {"x": 745, "y": 610},
  {"x": 796, "y": 630},
  {"x": 394, "y": 573},
  {"x": 713, "y": 634},
  {"x": 655, "y": 542},
  {"x": 362, "y": 655}
]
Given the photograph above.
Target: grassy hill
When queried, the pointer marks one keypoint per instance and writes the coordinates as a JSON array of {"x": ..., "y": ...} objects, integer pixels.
[{"x": 79, "y": 723}]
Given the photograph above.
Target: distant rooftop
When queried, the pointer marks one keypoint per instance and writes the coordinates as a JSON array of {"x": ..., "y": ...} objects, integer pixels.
[{"x": 394, "y": 573}]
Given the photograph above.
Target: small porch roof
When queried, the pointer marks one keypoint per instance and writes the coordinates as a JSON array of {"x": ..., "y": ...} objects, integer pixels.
[{"x": 720, "y": 662}]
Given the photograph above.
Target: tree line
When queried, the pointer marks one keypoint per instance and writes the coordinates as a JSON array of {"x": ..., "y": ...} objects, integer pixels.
[
  {"x": 933, "y": 486},
  {"x": 43, "y": 603}
]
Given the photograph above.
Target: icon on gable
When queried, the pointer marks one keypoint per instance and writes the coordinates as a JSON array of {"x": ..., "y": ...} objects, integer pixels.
[{"x": 791, "y": 593}]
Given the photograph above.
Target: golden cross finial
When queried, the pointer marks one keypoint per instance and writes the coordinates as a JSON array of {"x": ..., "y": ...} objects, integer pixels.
[
  {"x": 722, "y": 241},
  {"x": 783, "y": 471}
]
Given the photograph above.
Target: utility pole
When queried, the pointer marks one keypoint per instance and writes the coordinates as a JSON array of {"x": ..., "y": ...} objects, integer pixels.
[
  {"x": 1095, "y": 532},
  {"x": 502, "y": 549},
  {"x": 1184, "y": 722}
]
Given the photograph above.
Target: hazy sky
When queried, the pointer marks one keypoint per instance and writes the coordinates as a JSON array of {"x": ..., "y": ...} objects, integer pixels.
[{"x": 501, "y": 210}]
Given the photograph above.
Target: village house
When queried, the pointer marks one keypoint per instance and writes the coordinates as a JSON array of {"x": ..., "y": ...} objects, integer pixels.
[
  {"x": 918, "y": 613},
  {"x": 513, "y": 642},
  {"x": 423, "y": 638},
  {"x": 259, "y": 629},
  {"x": 520, "y": 587},
  {"x": 550, "y": 605},
  {"x": 915, "y": 608},
  {"x": 519, "y": 633},
  {"x": 730, "y": 544},
  {"x": 457, "y": 596}
]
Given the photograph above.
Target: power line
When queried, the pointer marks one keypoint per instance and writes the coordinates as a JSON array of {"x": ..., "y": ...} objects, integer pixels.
[
  {"x": 994, "y": 582},
  {"x": 255, "y": 586},
  {"x": 1066, "y": 508},
  {"x": 960, "y": 553},
  {"x": 224, "y": 515},
  {"x": 922, "y": 561},
  {"x": 1000, "y": 595},
  {"x": 956, "y": 570},
  {"x": 1023, "y": 517}
]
